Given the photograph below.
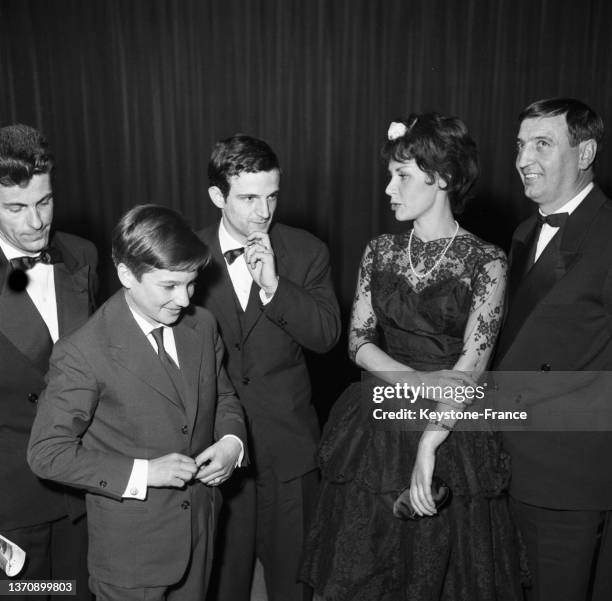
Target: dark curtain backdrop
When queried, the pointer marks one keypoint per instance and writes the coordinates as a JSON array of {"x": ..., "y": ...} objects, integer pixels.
[{"x": 132, "y": 94}]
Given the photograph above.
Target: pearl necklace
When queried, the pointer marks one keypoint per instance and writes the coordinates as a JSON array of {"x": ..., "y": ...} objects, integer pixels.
[{"x": 422, "y": 275}]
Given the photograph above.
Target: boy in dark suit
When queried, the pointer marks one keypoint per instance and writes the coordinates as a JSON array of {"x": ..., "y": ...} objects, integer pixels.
[{"x": 134, "y": 404}]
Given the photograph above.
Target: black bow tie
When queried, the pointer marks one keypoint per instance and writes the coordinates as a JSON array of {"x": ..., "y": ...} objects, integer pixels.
[
  {"x": 554, "y": 219},
  {"x": 232, "y": 255},
  {"x": 47, "y": 256}
]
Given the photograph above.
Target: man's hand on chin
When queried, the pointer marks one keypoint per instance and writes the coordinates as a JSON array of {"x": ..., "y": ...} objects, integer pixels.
[{"x": 259, "y": 258}]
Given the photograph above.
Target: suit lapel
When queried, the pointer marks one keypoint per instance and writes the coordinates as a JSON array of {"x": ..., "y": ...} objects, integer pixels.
[
  {"x": 280, "y": 251},
  {"x": 189, "y": 348},
  {"x": 130, "y": 348},
  {"x": 217, "y": 291},
  {"x": 521, "y": 256},
  {"x": 71, "y": 291},
  {"x": 21, "y": 323},
  {"x": 553, "y": 264},
  {"x": 253, "y": 311}
]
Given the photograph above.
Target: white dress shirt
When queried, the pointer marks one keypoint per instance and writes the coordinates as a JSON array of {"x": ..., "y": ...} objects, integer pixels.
[
  {"x": 41, "y": 287},
  {"x": 238, "y": 271},
  {"x": 548, "y": 231},
  {"x": 137, "y": 484}
]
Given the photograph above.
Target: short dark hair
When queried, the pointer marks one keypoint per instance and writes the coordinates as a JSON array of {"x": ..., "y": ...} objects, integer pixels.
[
  {"x": 151, "y": 237},
  {"x": 583, "y": 123},
  {"x": 236, "y": 155},
  {"x": 439, "y": 145},
  {"x": 23, "y": 153}
]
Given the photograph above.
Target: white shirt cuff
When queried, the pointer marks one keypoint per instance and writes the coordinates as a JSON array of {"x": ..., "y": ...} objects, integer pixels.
[
  {"x": 137, "y": 484},
  {"x": 241, "y": 456}
]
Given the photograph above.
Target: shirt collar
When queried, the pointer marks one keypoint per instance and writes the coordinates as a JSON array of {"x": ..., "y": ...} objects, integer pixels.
[
  {"x": 571, "y": 205},
  {"x": 226, "y": 240}
]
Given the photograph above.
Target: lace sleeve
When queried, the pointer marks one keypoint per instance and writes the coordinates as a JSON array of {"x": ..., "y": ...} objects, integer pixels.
[
  {"x": 486, "y": 313},
  {"x": 363, "y": 318}
]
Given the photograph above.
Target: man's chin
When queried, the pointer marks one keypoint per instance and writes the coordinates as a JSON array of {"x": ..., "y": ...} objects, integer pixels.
[
  {"x": 169, "y": 318},
  {"x": 530, "y": 193},
  {"x": 34, "y": 245}
]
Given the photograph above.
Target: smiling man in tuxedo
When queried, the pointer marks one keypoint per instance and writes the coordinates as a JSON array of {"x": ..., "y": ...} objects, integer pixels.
[
  {"x": 47, "y": 288},
  {"x": 270, "y": 288},
  {"x": 139, "y": 412},
  {"x": 560, "y": 319}
]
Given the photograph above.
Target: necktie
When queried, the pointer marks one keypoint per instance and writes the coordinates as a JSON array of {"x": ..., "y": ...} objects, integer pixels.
[
  {"x": 232, "y": 255},
  {"x": 164, "y": 357},
  {"x": 554, "y": 219},
  {"x": 47, "y": 256},
  {"x": 170, "y": 367}
]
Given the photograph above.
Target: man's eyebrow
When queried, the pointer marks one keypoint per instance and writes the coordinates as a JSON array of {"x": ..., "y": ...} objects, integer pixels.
[
  {"x": 251, "y": 194},
  {"x": 541, "y": 137},
  {"x": 175, "y": 282}
]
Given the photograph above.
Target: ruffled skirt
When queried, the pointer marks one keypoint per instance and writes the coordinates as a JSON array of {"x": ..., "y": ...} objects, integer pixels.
[{"x": 356, "y": 550}]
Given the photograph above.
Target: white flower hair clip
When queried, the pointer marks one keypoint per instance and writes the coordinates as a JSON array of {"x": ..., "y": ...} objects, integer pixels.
[{"x": 396, "y": 130}]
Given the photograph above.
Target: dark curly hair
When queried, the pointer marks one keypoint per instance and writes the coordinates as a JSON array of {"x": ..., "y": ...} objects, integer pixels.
[
  {"x": 23, "y": 154},
  {"x": 239, "y": 154},
  {"x": 439, "y": 145}
]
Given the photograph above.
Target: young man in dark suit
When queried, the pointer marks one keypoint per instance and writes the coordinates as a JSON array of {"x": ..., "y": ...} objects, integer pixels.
[
  {"x": 139, "y": 412},
  {"x": 47, "y": 288},
  {"x": 269, "y": 285},
  {"x": 560, "y": 319}
]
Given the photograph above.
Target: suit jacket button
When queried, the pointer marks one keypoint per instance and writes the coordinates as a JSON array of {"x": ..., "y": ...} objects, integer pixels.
[
  {"x": 545, "y": 367},
  {"x": 102, "y": 483},
  {"x": 246, "y": 380},
  {"x": 32, "y": 397},
  {"x": 185, "y": 505},
  {"x": 184, "y": 429},
  {"x": 237, "y": 346}
]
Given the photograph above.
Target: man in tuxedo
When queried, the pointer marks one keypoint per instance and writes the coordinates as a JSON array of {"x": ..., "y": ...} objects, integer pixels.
[
  {"x": 47, "y": 288},
  {"x": 135, "y": 401},
  {"x": 560, "y": 319},
  {"x": 269, "y": 285}
]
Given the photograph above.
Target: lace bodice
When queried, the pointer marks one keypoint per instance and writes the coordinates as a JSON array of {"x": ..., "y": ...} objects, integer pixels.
[{"x": 429, "y": 323}]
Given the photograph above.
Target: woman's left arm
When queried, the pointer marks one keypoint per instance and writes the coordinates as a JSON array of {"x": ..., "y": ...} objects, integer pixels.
[{"x": 480, "y": 335}]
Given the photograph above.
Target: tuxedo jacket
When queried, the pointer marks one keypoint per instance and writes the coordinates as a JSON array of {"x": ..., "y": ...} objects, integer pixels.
[
  {"x": 25, "y": 347},
  {"x": 560, "y": 319},
  {"x": 265, "y": 358},
  {"x": 109, "y": 401}
]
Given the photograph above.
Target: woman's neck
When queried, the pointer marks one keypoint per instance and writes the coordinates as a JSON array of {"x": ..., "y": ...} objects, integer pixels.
[{"x": 431, "y": 226}]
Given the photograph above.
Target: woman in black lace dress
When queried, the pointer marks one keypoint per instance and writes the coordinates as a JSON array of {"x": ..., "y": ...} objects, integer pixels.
[{"x": 428, "y": 305}]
